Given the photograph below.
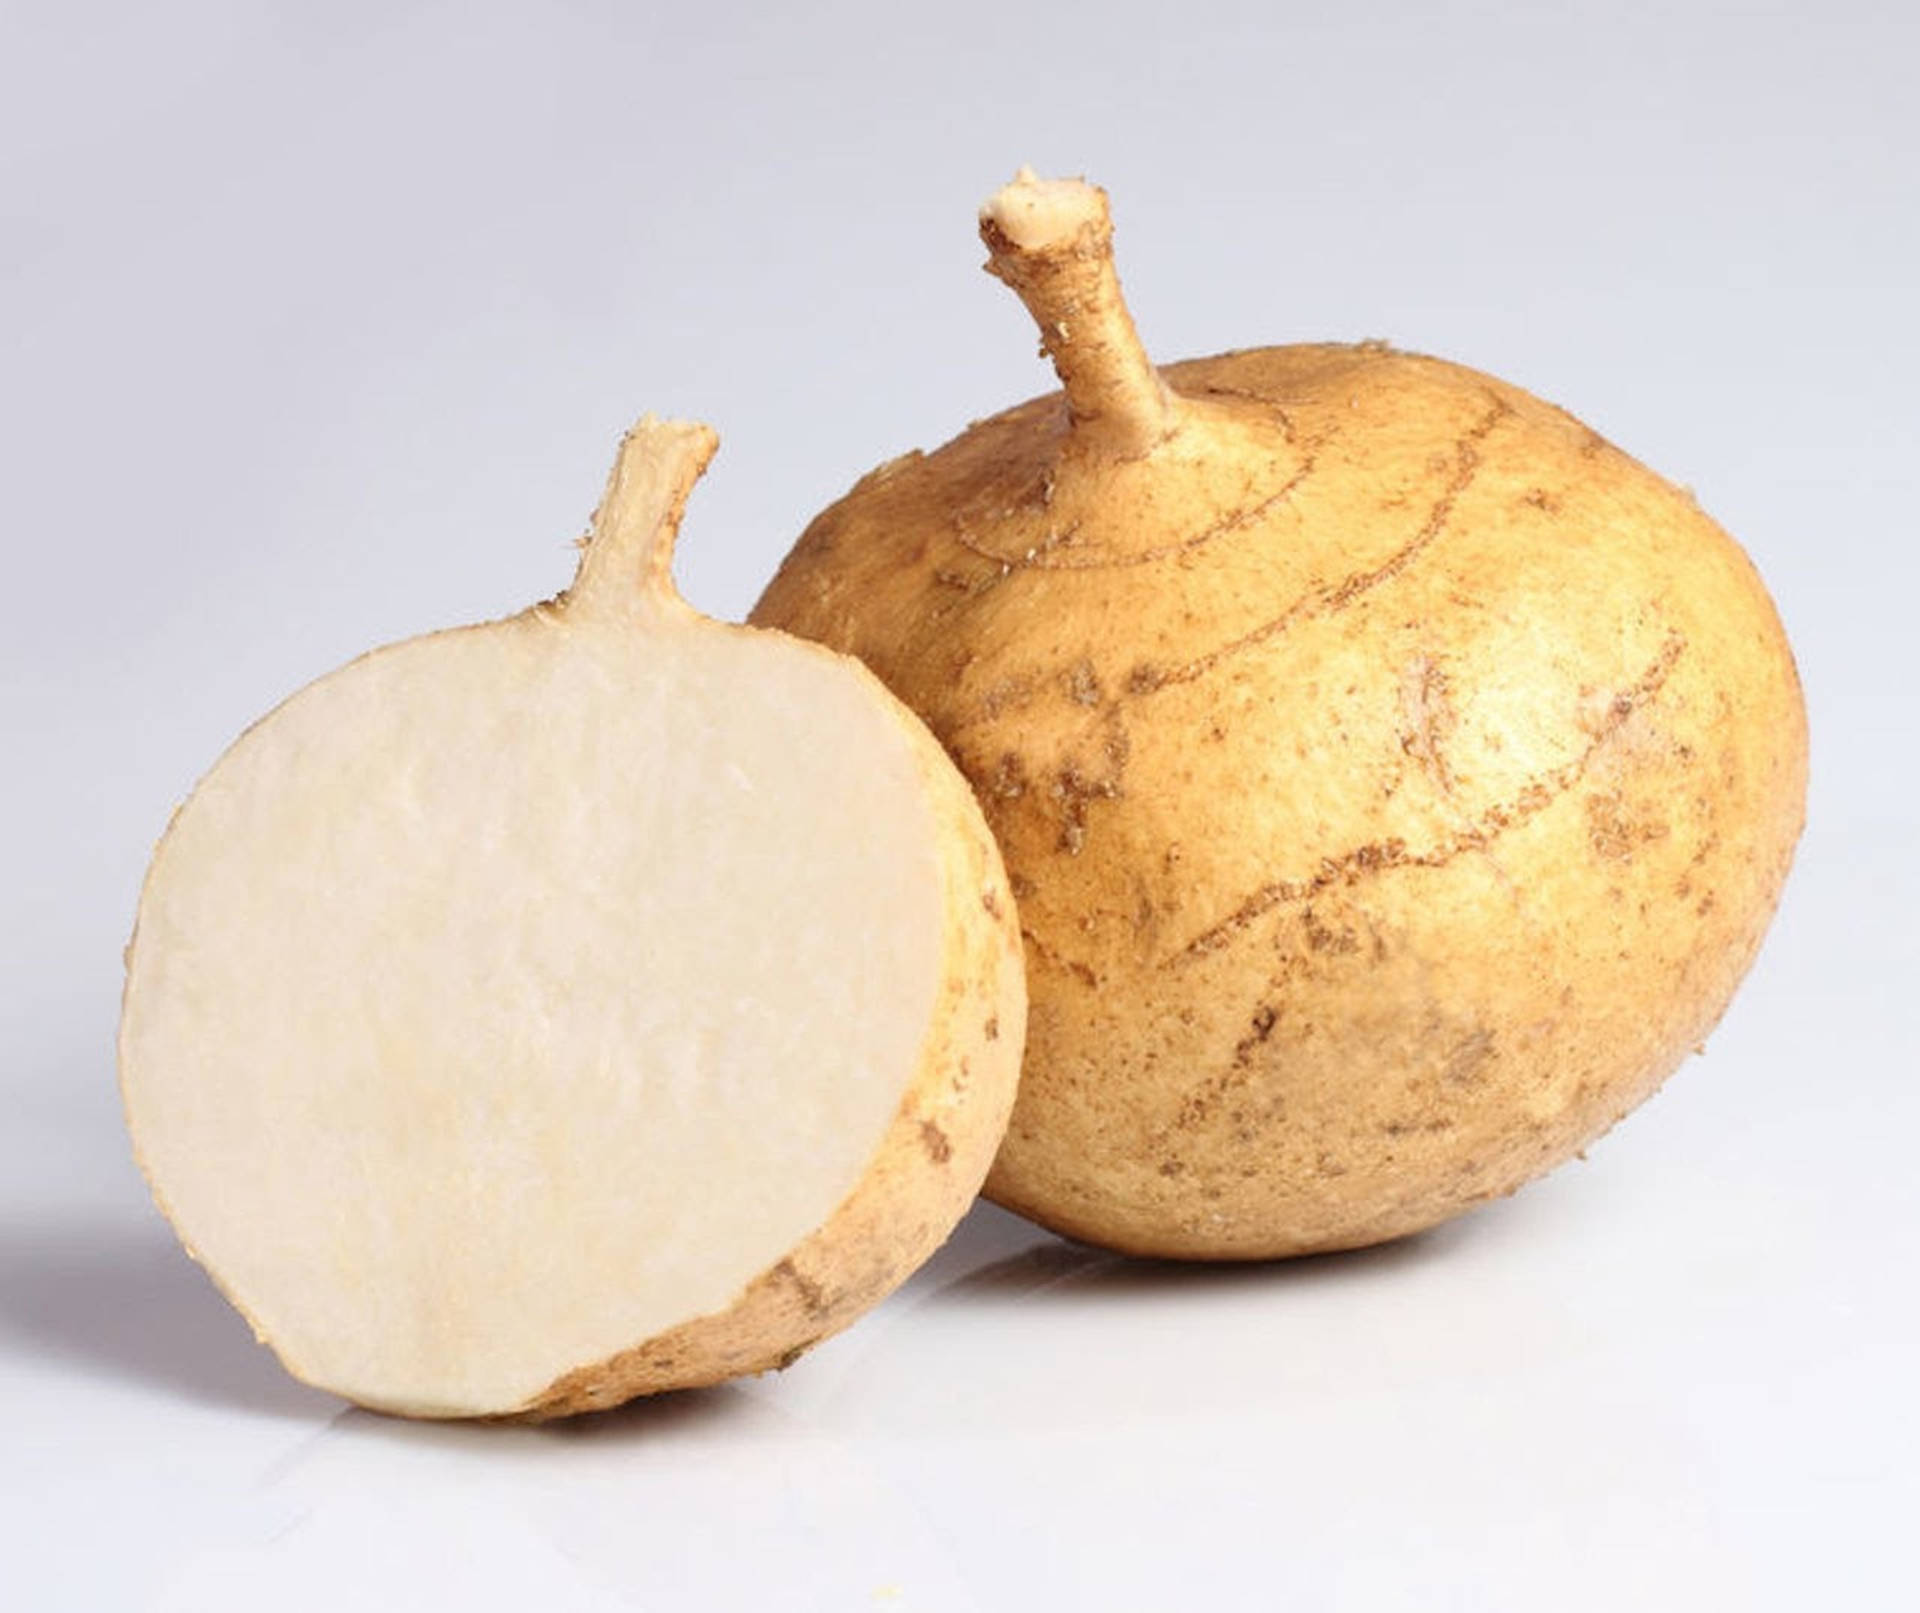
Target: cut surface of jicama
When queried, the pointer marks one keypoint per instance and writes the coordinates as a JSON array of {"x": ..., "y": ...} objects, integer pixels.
[{"x": 597, "y": 1001}]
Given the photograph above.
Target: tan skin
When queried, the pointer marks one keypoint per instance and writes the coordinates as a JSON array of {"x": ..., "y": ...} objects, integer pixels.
[{"x": 1395, "y": 778}]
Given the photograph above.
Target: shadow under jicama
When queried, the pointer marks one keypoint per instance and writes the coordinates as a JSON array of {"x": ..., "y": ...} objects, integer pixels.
[
  {"x": 1050, "y": 1267},
  {"x": 660, "y": 1418},
  {"x": 118, "y": 1298},
  {"x": 115, "y": 1297}
]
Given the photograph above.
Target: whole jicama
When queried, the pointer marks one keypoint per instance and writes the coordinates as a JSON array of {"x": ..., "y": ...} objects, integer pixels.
[
  {"x": 605, "y": 1000},
  {"x": 1395, "y": 778}
]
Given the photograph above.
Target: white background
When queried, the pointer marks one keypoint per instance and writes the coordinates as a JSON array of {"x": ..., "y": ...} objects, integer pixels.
[{"x": 319, "y": 327}]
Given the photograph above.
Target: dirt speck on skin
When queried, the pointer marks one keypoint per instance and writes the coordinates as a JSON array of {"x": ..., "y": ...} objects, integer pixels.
[
  {"x": 1613, "y": 832},
  {"x": 812, "y": 1295},
  {"x": 1322, "y": 937},
  {"x": 939, "y": 1145},
  {"x": 1008, "y": 691},
  {"x": 1265, "y": 1017},
  {"x": 1076, "y": 792},
  {"x": 1469, "y": 1058}
]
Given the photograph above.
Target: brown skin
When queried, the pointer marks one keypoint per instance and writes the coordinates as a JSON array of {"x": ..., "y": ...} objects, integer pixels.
[{"x": 1395, "y": 778}]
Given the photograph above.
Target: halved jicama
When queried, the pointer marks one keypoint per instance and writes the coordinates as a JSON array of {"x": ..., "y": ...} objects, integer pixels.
[{"x": 604, "y": 1000}]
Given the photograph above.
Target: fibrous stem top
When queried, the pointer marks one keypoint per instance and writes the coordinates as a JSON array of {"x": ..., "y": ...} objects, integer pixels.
[
  {"x": 1052, "y": 241},
  {"x": 628, "y": 556}
]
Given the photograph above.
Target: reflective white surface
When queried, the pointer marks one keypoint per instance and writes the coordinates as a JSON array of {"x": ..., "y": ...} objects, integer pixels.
[
  {"x": 321, "y": 326},
  {"x": 1677, "y": 1375}
]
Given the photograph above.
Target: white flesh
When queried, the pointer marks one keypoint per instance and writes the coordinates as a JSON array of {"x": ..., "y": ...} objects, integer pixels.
[
  {"x": 1035, "y": 213},
  {"x": 515, "y": 994}
]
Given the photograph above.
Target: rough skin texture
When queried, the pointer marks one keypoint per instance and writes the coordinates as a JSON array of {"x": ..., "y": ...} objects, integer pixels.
[{"x": 1395, "y": 779}]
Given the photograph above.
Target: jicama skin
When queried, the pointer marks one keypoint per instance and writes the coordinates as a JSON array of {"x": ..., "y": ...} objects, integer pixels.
[
  {"x": 600, "y": 1001},
  {"x": 1396, "y": 779}
]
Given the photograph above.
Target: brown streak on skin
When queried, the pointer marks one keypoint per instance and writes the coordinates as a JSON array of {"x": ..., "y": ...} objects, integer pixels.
[
  {"x": 1328, "y": 600},
  {"x": 1008, "y": 696},
  {"x": 1200, "y": 1105},
  {"x": 1466, "y": 457},
  {"x": 1409, "y": 1128},
  {"x": 1466, "y": 1061},
  {"x": 811, "y": 1294},
  {"x": 1037, "y": 948},
  {"x": 1036, "y": 558},
  {"x": 966, "y": 589},
  {"x": 1205, "y": 1099},
  {"x": 1430, "y": 719},
  {"x": 1272, "y": 628},
  {"x": 1048, "y": 556},
  {"x": 1508, "y": 883},
  {"x": 1539, "y": 793},
  {"x": 1277, "y": 407}
]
